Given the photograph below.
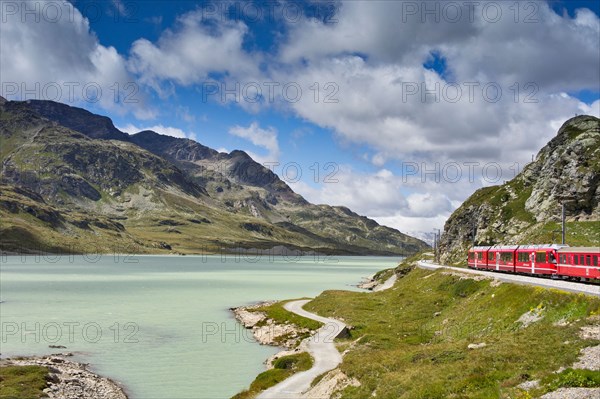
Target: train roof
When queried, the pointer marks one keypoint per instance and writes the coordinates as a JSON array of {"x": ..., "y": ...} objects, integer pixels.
[
  {"x": 504, "y": 247},
  {"x": 519, "y": 247},
  {"x": 542, "y": 246},
  {"x": 580, "y": 250}
]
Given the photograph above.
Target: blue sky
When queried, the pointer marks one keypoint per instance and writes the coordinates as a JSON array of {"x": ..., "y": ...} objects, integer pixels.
[{"x": 409, "y": 93}]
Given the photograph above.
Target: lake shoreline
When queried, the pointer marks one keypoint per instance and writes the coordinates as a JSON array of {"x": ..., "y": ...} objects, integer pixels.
[
  {"x": 269, "y": 331},
  {"x": 70, "y": 380}
]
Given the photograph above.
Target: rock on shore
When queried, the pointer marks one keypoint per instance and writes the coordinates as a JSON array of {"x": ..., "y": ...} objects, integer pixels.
[
  {"x": 266, "y": 331},
  {"x": 368, "y": 283},
  {"x": 72, "y": 380}
]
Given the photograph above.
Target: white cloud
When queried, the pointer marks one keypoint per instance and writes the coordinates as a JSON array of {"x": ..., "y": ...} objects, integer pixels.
[
  {"x": 375, "y": 76},
  {"x": 160, "y": 129},
  {"x": 378, "y": 194},
  {"x": 194, "y": 48},
  {"x": 592, "y": 109},
  {"x": 54, "y": 55},
  {"x": 265, "y": 138},
  {"x": 418, "y": 199},
  {"x": 415, "y": 226},
  {"x": 120, "y": 8},
  {"x": 539, "y": 47}
]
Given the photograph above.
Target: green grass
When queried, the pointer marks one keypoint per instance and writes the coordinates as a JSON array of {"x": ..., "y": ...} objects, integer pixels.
[
  {"x": 277, "y": 313},
  {"x": 283, "y": 367},
  {"x": 411, "y": 341},
  {"x": 583, "y": 233},
  {"x": 574, "y": 378},
  {"x": 22, "y": 382},
  {"x": 282, "y": 316}
]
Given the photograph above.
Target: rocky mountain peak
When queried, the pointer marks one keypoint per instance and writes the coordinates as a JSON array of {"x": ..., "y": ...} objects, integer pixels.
[
  {"x": 174, "y": 148},
  {"x": 78, "y": 119},
  {"x": 566, "y": 170},
  {"x": 581, "y": 122}
]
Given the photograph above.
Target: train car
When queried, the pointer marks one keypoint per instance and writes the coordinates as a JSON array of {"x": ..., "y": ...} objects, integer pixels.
[
  {"x": 582, "y": 262},
  {"x": 502, "y": 258},
  {"x": 537, "y": 259},
  {"x": 477, "y": 257}
]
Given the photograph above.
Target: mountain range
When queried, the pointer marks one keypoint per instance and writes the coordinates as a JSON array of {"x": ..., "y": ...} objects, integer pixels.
[{"x": 72, "y": 182}]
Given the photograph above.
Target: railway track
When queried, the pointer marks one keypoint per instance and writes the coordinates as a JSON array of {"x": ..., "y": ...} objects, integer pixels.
[{"x": 571, "y": 286}]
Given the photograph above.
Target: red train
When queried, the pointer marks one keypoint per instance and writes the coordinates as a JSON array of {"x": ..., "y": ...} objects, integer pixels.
[{"x": 550, "y": 260}]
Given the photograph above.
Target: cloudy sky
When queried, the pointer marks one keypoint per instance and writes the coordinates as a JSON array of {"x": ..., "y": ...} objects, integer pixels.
[{"x": 396, "y": 109}]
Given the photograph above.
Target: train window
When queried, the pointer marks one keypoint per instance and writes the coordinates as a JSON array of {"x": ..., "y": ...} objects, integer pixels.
[
  {"x": 563, "y": 259},
  {"x": 595, "y": 261},
  {"x": 480, "y": 255},
  {"x": 588, "y": 260},
  {"x": 540, "y": 257}
]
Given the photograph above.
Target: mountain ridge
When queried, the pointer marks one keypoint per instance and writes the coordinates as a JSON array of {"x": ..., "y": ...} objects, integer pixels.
[{"x": 71, "y": 178}]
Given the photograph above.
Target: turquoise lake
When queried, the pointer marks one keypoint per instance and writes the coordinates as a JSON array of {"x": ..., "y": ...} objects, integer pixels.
[{"x": 159, "y": 325}]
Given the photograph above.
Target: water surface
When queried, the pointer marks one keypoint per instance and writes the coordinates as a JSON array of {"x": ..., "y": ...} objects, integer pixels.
[{"x": 160, "y": 325}]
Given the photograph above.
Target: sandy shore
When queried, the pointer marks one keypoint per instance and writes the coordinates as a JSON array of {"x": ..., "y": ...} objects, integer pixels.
[{"x": 70, "y": 380}]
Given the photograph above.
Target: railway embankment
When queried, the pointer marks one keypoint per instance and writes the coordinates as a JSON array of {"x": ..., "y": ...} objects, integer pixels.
[{"x": 546, "y": 282}]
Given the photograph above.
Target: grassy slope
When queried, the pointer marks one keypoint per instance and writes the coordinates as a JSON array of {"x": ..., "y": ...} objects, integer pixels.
[
  {"x": 405, "y": 351},
  {"x": 283, "y": 367},
  {"x": 277, "y": 312},
  {"x": 22, "y": 382}
]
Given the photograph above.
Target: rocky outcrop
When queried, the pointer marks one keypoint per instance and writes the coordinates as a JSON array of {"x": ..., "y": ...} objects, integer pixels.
[
  {"x": 71, "y": 380},
  {"x": 265, "y": 330},
  {"x": 566, "y": 170}
]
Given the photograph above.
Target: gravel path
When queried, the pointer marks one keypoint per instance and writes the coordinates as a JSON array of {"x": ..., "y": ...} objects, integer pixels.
[
  {"x": 519, "y": 279},
  {"x": 389, "y": 283},
  {"x": 573, "y": 393},
  {"x": 321, "y": 348}
]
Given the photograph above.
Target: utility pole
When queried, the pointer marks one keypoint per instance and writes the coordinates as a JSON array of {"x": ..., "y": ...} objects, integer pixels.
[
  {"x": 434, "y": 245},
  {"x": 563, "y": 223},
  {"x": 437, "y": 246}
]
